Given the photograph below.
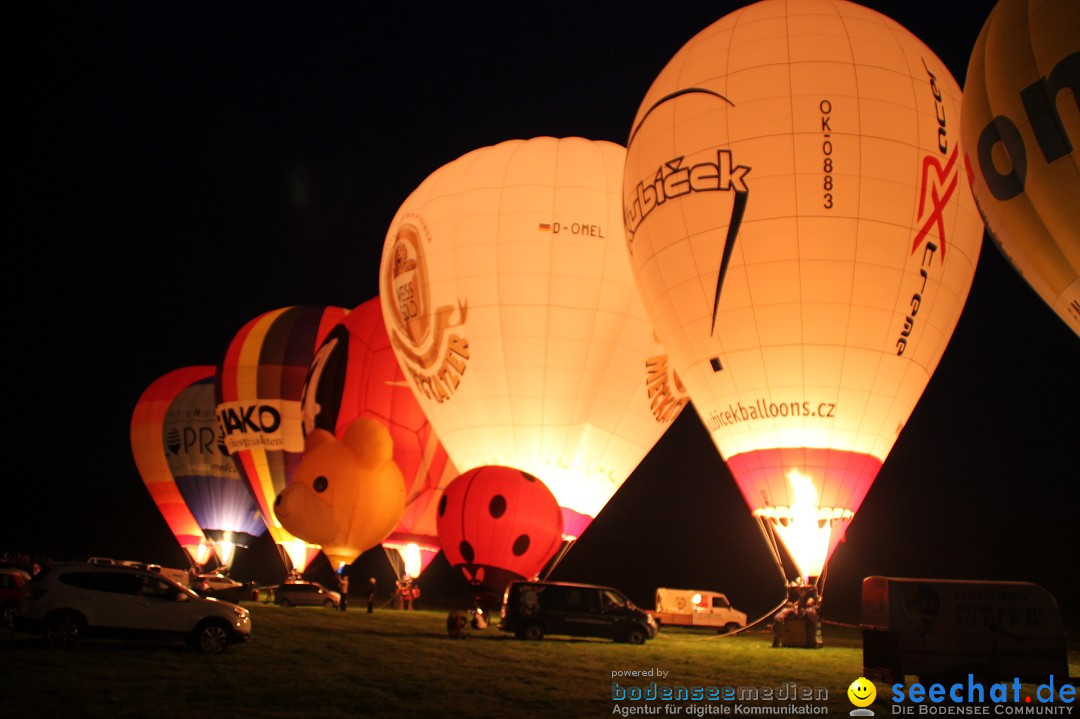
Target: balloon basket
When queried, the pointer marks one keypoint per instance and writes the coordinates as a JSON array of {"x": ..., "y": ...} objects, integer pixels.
[{"x": 800, "y": 633}]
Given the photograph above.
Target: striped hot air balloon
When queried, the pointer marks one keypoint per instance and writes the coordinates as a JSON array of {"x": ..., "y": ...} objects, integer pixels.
[{"x": 260, "y": 385}]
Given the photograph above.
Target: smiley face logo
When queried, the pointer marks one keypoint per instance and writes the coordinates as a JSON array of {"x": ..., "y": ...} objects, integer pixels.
[{"x": 862, "y": 692}]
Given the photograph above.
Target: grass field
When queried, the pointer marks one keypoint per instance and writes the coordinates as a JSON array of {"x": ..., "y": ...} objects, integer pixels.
[{"x": 311, "y": 663}]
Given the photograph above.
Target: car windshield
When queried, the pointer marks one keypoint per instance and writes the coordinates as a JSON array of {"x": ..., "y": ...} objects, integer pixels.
[{"x": 613, "y": 599}]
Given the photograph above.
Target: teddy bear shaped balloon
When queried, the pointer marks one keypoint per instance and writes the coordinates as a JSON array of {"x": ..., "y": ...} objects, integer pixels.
[{"x": 347, "y": 495}]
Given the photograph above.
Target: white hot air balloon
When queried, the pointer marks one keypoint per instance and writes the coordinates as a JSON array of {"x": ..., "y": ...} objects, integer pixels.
[
  {"x": 804, "y": 238},
  {"x": 510, "y": 305}
]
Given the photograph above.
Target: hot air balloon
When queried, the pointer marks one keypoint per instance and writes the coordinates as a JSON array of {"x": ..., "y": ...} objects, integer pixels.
[
  {"x": 1021, "y": 136},
  {"x": 355, "y": 374},
  {"x": 801, "y": 230},
  {"x": 347, "y": 495},
  {"x": 148, "y": 445},
  {"x": 206, "y": 476},
  {"x": 497, "y": 524},
  {"x": 259, "y": 390},
  {"x": 510, "y": 306}
]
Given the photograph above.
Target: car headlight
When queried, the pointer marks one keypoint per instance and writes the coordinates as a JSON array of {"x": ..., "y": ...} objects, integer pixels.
[{"x": 241, "y": 612}]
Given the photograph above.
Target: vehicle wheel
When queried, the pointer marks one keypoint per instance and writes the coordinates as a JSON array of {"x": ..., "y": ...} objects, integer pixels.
[
  {"x": 533, "y": 632},
  {"x": 329, "y": 604},
  {"x": 285, "y": 603},
  {"x": 635, "y": 635},
  {"x": 64, "y": 629},
  {"x": 212, "y": 637},
  {"x": 731, "y": 627}
]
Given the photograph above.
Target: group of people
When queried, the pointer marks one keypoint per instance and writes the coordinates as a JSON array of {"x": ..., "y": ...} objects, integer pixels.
[
  {"x": 407, "y": 593},
  {"x": 343, "y": 588},
  {"x": 31, "y": 564}
]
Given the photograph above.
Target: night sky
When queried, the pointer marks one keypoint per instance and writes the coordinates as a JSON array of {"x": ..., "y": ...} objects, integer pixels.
[{"x": 182, "y": 168}]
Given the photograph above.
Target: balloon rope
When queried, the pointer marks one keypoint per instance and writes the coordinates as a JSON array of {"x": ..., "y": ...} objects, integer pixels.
[
  {"x": 770, "y": 541},
  {"x": 396, "y": 562},
  {"x": 284, "y": 558},
  {"x": 819, "y": 582},
  {"x": 754, "y": 623},
  {"x": 558, "y": 557}
]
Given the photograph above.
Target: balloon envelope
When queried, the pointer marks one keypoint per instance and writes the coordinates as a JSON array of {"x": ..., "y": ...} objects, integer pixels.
[
  {"x": 510, "y": 305},
  {"x": 348, "y": 494},
  {"x": 355, "y": 374},
  {"x": 206, "y": 476},
  {"x": 260, "y": 386},
  {"x": 148, "y": 446},
  {"x": 802, "y": 233},
  {"x": 1021, "y": 132},
  {"x": 497, "y": 524}
]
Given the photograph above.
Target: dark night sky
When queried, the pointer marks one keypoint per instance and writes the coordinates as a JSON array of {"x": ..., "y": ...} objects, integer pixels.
[{"x": 181, "y": 168}]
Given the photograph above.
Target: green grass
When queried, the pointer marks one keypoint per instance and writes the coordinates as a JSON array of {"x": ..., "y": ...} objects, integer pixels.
[{"x": 315, "y": 663}]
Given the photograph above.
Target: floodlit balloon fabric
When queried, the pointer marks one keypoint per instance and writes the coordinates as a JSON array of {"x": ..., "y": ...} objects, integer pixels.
[
  {"x": 260, "y": 386},
  {"x": 348, "y": 494},
  {"x": 804, "y": 238},
  {"x": 148, "y": 445},
  {"x": 1021, "y": 133},
  {"x": 355, "y": 374},
  {"x": 206, "y": 476},
  {"x": 497, "y": 524},
  {"x": 510, "y": 305}
]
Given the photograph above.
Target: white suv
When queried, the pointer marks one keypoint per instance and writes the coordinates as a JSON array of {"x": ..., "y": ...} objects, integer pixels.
[{"x": 66, "y": 602}]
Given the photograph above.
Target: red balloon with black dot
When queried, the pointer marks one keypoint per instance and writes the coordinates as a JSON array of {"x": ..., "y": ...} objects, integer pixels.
[{"x": 498, "y": 523}]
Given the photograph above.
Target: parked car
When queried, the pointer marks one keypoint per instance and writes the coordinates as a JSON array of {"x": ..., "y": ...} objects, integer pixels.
[
  {"x": 697, "y": 608},
  {"x": 67, "y": 602},
  {"x": 533, "y": 609},
  {"x": 220, "y": 586},
  {"x": 180, "y": 576},
  {"x": 12, "y": 581},
  {"x": 306, "y": 593}
]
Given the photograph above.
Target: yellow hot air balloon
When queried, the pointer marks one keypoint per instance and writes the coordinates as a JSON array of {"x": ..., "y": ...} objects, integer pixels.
[
  {"x": 1021, "y": 134},
  {"x": 802, "y": 233},
  {"x": 510, "y": 305}
]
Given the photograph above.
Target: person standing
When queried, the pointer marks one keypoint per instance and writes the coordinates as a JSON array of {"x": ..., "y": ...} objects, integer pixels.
[
  {"x": 344, "y": 582},
  {"x": 371, "y": 596}
]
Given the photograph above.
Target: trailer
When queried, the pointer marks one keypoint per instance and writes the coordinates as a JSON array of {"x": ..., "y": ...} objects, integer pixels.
[
  {"x": 697, "y": 608},
  {"x": 945, "y": 629}
]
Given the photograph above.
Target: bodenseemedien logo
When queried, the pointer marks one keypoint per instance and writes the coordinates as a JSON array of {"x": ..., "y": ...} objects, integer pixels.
[{"x": 862, "y": 693}]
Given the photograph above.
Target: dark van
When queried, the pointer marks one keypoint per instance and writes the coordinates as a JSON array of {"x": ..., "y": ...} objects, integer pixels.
[{"x": 532, "y": 609}]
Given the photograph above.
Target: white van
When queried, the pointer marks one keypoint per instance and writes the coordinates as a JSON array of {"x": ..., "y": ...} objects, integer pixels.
[{"x": 697, "y": 608}]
